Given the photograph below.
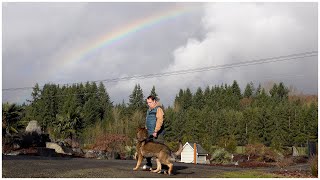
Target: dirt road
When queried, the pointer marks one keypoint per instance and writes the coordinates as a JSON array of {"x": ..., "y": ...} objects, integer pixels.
[{"x": 63, "y": 167}]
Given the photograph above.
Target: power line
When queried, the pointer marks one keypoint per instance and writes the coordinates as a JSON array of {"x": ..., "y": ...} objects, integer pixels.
[
  {"x": 225, "y": 66},
  {"x": 208, "y": 68},
  {"x": 101, "y": 93}
]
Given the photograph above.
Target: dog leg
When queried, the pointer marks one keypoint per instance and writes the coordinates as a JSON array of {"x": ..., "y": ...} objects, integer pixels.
[
  {"x": 170, "y": 168},
  {"x": 158, "y": 166},
  {"x": 140, "y": 157}
]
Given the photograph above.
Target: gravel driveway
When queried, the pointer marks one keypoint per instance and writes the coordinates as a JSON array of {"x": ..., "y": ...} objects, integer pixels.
[{"x": 63, "y": 167}]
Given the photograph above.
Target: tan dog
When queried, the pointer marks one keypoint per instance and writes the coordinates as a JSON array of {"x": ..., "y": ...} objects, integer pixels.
[{"x": 154, "y": 149}]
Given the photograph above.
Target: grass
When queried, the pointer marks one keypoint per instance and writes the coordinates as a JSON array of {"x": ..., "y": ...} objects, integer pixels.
[
  {"x": 303, "y": 151},
  {"x": 240, "y": 150},
  {"x": 247, "y": 174}
]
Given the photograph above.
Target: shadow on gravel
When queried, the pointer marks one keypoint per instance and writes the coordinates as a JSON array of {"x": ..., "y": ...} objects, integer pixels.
[
  {"x": 177, "y": 168},
  {"x": 26, "y": 157}
]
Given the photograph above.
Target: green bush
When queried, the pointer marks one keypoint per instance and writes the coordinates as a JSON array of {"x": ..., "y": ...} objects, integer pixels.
[
  {"x": 220, "y": 155},
  {"x": 229, "y": 144},
  {"x": 130, "y": 151}
]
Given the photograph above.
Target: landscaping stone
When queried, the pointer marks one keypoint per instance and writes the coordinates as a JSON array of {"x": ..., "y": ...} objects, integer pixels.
[{"x": 33, "y": 127}]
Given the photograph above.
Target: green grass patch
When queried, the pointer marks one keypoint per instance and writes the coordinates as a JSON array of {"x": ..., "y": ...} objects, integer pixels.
[
  {"x": 247, "y": 174},
  {"x": 303, "y": 151},
  {"x": 240, "y": 150}
]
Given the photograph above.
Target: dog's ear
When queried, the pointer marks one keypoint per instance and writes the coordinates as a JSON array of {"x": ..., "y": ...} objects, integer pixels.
[{"x": 139, "y": 129}]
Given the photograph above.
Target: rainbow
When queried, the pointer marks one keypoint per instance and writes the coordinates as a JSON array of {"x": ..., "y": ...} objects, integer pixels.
[{"x": 121, "y": 33}]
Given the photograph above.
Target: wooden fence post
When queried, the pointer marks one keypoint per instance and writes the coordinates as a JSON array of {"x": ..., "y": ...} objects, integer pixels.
[{"x": 195, "y": 153}]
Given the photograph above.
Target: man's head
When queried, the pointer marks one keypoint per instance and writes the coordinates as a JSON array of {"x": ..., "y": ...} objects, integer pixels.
[{"x": 151, "y": 101}]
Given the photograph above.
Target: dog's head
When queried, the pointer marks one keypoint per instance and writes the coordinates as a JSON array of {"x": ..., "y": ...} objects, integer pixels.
[{"x": 142, "y": 134}]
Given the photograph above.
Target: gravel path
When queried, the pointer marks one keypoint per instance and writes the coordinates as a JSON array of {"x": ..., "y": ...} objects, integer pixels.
[{"x": 64, "y": 167}]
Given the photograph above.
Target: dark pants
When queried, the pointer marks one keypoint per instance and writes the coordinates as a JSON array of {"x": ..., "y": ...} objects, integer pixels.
[{"x": 159, "y": 139}]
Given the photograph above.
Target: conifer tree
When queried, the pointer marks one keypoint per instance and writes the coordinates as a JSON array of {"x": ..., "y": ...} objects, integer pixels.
[
  {"x": 153, "y": 93},
  {"x": 187, "y": 99},
  {"x": 136, "y": 101},
  {"x": 236, "y": 89},
  {"x": 105, "y": 105},
  {"x": 198, "y": 99},
  {"x": 248, "y": 91},
  {"x": 35, "y": 110}
]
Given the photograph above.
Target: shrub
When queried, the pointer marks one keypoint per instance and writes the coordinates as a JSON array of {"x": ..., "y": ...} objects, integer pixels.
[
  {"x": 313, "y": 162},
  {"x": 260, "y": 152},
  {"x": 229, "y": 144},
  {"x": 220, "y": 155},
  {"x": 255, "y": 150},
  {"x": 110, "y": 142},
  {"x": 130, "y": 151}
]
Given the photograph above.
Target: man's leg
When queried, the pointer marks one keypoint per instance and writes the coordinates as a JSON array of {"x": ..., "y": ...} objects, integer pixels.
[{"x": 148, "y": 166}]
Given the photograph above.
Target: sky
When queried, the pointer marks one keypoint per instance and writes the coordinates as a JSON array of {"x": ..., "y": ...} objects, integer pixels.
[{"x": 65, "y": 43}]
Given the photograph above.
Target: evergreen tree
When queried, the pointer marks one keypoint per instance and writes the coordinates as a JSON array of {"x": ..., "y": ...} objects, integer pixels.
[
  {"x": 209, "y": 117},
  {"x": 178, "y": 101},
  {"x": 105, "y": 105},
  {"x": 279, "y": 92},
  {"x": 187, "y": 99},
  {"x": 136, "y": 101},
  {"x": 258, "y": 90},
  {"x": 311, "y": 122},
  {"x": 90, "y": 112},
  {"x": 49, "y": 105},
  {"x": 34, "y": 112},
  {"x": 274, "y": 91},
  {"x": 282, "y": 91},
  {"x": 153, "y": 93},
  {"x": 236, "y": 90},
  {"x": 198, "y": 99},
  {"x": 248, "y": 92}
]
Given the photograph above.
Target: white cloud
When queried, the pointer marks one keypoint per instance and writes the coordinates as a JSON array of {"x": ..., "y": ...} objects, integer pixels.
[
  {"x": 248, "y": 31},
  {"x": 38, "y": 38}
]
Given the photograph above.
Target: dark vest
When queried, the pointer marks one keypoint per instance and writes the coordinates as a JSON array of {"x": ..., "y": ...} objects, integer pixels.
[{"x": 151, "y": 121}]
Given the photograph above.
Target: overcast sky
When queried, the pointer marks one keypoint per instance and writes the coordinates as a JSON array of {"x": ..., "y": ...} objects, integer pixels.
[{"x": 45, "y": 43}]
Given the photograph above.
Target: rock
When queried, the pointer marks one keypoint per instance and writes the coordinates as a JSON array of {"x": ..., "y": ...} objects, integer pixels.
[
  {"x": 74, "y": 143},
  {"x": 13, "y": 153},
  {"x": 56, "y": 147},
  {"x": 67, "y": 150},
  {"x": 295, "y": 151},
  {"x": 78, "y": 152},
  {"x": 101, "y": 155},
  {"x": 16, "y": 146},
  {"x": 33, "y": 127},
  {"x": 90, "y": 154}
]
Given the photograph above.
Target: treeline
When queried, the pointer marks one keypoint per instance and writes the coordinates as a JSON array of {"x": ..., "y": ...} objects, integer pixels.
[
  {"x": 219, "y": 115},
  {"x": 222, "y": 115}
]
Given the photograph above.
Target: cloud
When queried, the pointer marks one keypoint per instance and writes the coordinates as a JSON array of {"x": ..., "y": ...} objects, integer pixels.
[
  {"x": 38, "y": 37},
  {"x": 248, "y": 31}
]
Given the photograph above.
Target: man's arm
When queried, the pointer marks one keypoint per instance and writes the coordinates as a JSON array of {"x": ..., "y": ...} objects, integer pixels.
[{"x": 159, "y": 123}]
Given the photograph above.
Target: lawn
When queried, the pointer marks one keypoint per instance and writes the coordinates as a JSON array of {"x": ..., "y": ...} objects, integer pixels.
[{"x": 247, "y": 174}]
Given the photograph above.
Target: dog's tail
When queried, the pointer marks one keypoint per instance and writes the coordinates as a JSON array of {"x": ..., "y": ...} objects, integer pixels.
[
  {"x": 174, "y": 155},
  {"x": 180, "y": 149}
]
